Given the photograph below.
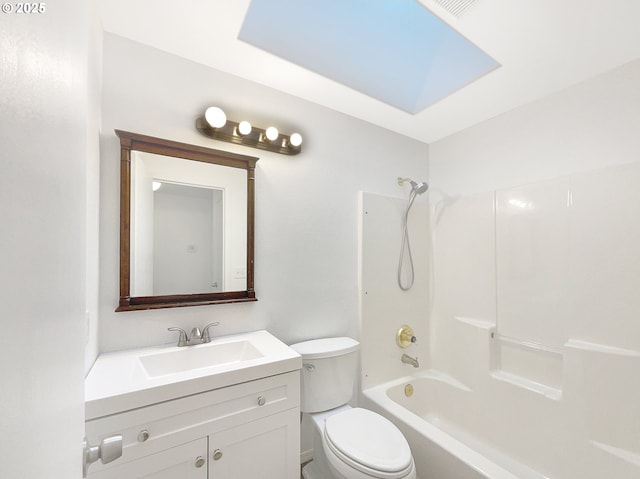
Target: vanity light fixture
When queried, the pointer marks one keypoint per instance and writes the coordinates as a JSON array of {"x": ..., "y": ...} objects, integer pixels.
[
  {"x": 215, "y": 117},
  {"x": 295, "y": 140},
  {"x": 244, "y": 128},
  {"x": 272, "y": 134},
  {"x": 214, "y": 124}
]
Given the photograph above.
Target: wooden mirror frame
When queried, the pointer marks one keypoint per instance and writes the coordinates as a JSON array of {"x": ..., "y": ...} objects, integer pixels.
[{"x": 136, "y": 142}]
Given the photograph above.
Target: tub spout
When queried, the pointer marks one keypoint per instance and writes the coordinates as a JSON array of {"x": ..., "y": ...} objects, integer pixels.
[{"x": 409, "y": 360}]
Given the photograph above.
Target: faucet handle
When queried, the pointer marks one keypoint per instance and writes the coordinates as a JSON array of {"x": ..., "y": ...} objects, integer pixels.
[
  {"x": 206, "y": 337},
  {"x": 404, "y": 336},
  {"x": 183, "y": 339}
]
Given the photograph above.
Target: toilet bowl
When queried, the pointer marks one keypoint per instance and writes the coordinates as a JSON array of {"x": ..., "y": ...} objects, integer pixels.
[
  {"x": 349, "y": 443},
  {"x": 360, "y": 444}
]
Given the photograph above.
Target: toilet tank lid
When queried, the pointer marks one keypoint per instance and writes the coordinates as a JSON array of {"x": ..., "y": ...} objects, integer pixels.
[{"x": 325, "y": 347}]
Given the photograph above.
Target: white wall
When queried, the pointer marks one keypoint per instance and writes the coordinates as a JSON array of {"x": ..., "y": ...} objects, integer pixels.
[
  {"x": 306, "y": 205},
  {"x": 48, "y": 111},
  {"x": 94, "y": 87},
  {"x": 536, "y": 239},
  {"x": 183, "y": 230},
  {"x": 590, "y": 125}
]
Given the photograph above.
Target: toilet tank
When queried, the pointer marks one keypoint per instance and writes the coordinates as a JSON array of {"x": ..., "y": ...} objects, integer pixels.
[{"x": 328, "y": 372}]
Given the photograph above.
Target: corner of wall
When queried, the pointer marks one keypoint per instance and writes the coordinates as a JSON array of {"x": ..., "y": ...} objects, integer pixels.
[{"x": 93, "y": 126}]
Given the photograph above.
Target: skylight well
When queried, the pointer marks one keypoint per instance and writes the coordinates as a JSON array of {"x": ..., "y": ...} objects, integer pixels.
[{"x": 396, "y": 51}]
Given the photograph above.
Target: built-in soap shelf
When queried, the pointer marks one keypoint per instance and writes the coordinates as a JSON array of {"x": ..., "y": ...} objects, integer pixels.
[
  {"x": 539, "y": 367},
  {"x": 527, "y": 364},
  {"x": 524, "y": 344}
]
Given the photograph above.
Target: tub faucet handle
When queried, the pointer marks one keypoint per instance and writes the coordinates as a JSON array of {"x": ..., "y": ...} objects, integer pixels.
[{"x": 405, "y": 336}]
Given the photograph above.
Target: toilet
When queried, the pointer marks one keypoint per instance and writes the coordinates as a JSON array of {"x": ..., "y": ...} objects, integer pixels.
[{"x": 349, "y": 443}]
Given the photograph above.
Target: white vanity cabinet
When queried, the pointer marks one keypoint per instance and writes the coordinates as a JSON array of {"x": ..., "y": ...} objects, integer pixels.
[
  {"x": 245, "y": 430},
  {"x": 261, "y": 449},
  {"x": 187, "y": 461}
]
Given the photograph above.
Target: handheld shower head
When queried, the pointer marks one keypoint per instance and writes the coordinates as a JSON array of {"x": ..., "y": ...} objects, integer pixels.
[
  {"x": 419, "y": 188},
  {"x": 416, "y": 189}
]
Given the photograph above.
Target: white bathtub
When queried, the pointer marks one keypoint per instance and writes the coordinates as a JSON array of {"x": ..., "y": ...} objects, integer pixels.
[{"x": 441, "y": 449}]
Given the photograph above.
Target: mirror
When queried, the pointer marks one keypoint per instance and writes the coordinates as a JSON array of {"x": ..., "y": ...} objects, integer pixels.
[{"x": 186, "y": 224}]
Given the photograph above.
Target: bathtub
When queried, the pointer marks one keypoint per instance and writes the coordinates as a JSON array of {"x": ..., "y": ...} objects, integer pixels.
[{"x": 441, "y": 449}]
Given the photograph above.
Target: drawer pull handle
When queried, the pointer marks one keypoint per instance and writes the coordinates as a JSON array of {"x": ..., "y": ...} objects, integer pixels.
[
  {"x": 217, "y": 454},
  {"x": 261, "y": 400},
  {"x": 199, "y": 461},
  {"x": 143, "y": 435}
]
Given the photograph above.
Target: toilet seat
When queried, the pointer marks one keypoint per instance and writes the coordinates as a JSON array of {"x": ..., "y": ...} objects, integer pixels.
[{"x": 367, "y": 442}]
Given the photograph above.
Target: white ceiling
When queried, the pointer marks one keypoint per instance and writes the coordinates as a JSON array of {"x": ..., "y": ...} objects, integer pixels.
[{"x": 542, "y": 45}]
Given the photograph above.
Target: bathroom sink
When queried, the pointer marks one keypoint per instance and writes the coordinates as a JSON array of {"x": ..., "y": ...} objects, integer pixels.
[
  {"x": 125, "y": 380},
  {"x": 177, "y": 360}
]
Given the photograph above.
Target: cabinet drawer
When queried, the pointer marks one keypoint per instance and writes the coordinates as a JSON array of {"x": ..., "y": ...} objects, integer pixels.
[
  {"x": 178, "y": 462},
  {"x": 164, "y": 425}
]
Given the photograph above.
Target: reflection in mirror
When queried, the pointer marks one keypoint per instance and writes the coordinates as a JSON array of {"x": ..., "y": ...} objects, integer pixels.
[
  {"x": 186, "y": 226},
  {"x": 186, "y": 236},
  {"x": 187, "y": 242}
]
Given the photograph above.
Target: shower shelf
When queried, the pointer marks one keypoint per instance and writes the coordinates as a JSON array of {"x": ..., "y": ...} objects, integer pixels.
[
  {"x": 516, "y": 380},
  {"x": 525, "y": 344},
  {"x": 527, "y": 364}
]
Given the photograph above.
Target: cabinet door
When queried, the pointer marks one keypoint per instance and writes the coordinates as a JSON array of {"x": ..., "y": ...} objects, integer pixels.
[
  {"x": 188, "y": 461},
  {"x": 267, "y": 448}
]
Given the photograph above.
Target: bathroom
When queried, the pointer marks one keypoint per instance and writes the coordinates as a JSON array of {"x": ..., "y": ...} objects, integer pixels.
[{"x": 307, "y": 241}]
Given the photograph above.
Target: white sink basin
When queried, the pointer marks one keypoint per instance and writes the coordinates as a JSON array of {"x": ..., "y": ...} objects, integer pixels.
[
  {"x": 125, "y": 380},
  {"x": 189, "y": 358}
]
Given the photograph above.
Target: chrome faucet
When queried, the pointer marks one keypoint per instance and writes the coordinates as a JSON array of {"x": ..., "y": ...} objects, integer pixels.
[
  {"x": 409, "y": 360},
  {"x": 196, "y": 336}
]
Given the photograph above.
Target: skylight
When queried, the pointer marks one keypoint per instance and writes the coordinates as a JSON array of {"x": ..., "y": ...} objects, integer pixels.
[{"x": 396, "y": 51}]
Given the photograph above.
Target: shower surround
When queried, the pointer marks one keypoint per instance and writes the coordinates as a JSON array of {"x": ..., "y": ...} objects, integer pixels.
[{"x": 533, "y": 339}]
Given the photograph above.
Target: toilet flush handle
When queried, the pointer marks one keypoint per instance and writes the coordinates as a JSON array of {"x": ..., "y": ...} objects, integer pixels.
[{"x": 309, "y": 367}]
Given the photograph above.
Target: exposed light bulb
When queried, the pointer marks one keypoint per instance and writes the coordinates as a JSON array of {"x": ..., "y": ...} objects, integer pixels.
[
  {"x": 272, "y": 133},
  {"x": 215, "y": 124},
  {"x": 295, "y": 139},
  {"x": 155, "y": 185},
  {"x": 244, "y": 128},
  {"x": 215, "y": 117}
]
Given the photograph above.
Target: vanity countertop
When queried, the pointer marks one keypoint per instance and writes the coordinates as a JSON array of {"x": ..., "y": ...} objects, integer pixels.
[{"x": 125, "y": 380}]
